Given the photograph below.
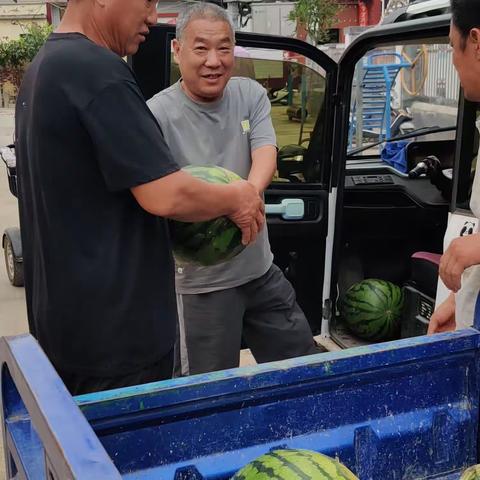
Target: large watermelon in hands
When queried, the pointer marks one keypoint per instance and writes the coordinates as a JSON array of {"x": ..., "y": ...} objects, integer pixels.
[
  {"x": 372, "y": 309},
  {"x": 294, "y": 464},
  {"x": 210, "y": 242}
]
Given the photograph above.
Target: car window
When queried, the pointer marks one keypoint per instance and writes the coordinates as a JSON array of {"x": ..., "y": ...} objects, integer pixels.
[
  {"x": 296, "y": 89},
  {"x": 402, "y": 89}
]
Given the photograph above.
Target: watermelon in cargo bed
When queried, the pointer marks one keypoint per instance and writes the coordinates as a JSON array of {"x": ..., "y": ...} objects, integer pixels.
[
  {"x": 294, "y": 464},
  {"x": 210, "y": 242},
  {"x": 372, "y": 309}
]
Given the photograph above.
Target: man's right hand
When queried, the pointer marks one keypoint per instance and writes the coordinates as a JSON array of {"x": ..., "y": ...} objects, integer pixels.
[
  {"x": 249, "y": 212},
  {"x": 443, "y": 318}
]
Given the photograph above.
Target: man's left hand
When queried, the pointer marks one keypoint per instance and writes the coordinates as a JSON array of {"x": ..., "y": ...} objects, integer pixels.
[{"x": 462, "y": 253}]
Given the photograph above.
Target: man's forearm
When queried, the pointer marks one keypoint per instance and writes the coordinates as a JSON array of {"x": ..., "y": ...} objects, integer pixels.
[
  {"x": 264, "y": 164},
  {"x": 182, "y": 197}
]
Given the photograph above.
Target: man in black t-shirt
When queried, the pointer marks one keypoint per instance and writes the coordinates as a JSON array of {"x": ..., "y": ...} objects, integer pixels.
[{"x": 95, "y": 181}]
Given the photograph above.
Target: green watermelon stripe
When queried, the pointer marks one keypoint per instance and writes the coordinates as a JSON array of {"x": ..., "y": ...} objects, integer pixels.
[
  {"x": 298, "y": 471},
  {"x": 365, "y": 328},
  {"x": 294, "y": 464},
  {"x": 359, "y": 300},
  {"x": 368, "y": 321},
  {"x": 383, "y": 332},
  {"x": 360, "y": 309},
  {"x": 315, "y": 464},
  {"x": 377, "y": 292},
  {"x": 240, "y": 476},
  {"x": 398, "y": 298},
  {"x": 262, "y": 468},
  {"x": 357, "y": 305},
  {"x": 342, "y": 471},
  {"x": 362, "y": 316},
  {"x": 395, "y": 296}
]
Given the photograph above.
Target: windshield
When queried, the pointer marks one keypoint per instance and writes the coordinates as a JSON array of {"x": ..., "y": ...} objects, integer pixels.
[{"x": 402, "y": 89}]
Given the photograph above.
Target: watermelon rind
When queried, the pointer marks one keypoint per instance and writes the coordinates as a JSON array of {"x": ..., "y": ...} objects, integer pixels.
[
  {"x": 471, "y": 473},
  {"x": 372, "y": 309},
  {"x": 294, "y": 464},
  {"x": 211, "y": 242}
]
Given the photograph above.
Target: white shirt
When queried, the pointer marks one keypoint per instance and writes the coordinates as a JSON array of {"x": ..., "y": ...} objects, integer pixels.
[{"x": 466, "y": 297}]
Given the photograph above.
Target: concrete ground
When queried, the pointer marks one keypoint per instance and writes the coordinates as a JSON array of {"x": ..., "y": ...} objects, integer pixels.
[{"x": 12, "y": 299}]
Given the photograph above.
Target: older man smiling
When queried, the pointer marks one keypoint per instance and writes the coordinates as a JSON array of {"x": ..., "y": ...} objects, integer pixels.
[{"x": 208, "y": 117}]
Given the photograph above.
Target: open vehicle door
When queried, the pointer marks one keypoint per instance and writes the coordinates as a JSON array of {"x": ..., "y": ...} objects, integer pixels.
[
  {"x": 392, "y": 198},
  {"x": 300, "y": 81},
  {"x": 341, "y": 208}
]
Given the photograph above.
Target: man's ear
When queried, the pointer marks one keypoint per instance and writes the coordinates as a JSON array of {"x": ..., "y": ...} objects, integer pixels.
[
  {"x": 474, "y": 37},
  {"x": 176, "y": 50}
]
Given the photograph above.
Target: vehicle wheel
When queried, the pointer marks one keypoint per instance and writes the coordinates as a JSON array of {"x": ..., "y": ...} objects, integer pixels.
[{"x": 14, "y": 267}]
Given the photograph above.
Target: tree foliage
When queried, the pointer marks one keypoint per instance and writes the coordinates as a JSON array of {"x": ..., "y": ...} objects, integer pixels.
[
  {"x": 15, "y": 55},
  {"x": 317, "y": 17}
]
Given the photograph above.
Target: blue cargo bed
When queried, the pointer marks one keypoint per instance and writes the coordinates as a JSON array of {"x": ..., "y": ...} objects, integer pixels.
[{"x": 401, "y": 410}]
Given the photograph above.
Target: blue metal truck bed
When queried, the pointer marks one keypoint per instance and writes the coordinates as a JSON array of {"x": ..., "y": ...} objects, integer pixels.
[{"x": 401, "y": 410}]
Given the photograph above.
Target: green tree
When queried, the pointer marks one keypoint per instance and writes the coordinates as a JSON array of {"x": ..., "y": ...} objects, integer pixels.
[
  {"x": 15, "y": 55},
  {"x": 316, "y": 16}
]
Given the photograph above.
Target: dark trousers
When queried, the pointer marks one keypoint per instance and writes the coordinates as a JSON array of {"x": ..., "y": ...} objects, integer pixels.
[
  {"x": 80, "y": 384},
  {"x": 263, "y": 312}
]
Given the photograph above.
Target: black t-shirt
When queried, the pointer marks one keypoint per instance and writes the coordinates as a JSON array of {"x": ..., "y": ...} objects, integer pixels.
[{"x": 99, "y": 272}]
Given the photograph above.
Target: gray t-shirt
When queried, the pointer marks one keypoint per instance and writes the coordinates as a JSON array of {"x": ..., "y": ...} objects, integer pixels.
[{"x": 223, "y": 133}]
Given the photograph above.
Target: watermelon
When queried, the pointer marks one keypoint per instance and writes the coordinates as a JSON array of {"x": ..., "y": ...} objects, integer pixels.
[
  {"x": 472, "y": 473},
  {"x": 294, "y": 464},
  {"x": 210, "y": 242},
  {"x": 372, "y": 309}
]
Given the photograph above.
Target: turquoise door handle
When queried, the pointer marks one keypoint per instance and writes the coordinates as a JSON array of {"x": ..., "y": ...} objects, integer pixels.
[{"x": 288, "y": 208}]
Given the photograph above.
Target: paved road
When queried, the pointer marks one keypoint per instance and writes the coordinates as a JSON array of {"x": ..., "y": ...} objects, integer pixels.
[{"x": 12, "y": 299}]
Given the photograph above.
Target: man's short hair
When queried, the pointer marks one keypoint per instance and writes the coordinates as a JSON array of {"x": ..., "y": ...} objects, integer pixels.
[
  {"x": 465, "y": 16},
  {"x": 201, "y": 10}
]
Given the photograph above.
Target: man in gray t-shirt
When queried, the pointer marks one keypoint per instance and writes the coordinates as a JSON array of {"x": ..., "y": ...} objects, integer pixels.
[{"x": 210, "y": 118}]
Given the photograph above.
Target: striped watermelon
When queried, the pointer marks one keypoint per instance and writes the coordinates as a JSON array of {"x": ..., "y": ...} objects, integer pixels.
[
  {"x": 472, "y": 473},
  {"x": 372, "y": 309},
  {"x": 211, "y": 242},
  {"x": 294, "y": 464}
]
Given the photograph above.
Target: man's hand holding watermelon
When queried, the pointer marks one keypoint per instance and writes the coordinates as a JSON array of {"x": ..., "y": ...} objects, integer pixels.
[
  {"x": 248, "y": 216},
  {"x": 180, "y": 196}
]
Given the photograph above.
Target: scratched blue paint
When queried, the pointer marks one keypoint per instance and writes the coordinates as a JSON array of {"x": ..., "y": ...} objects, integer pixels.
[
  {"x": 401, "y": 410},
  {"x": 398, "y": 410}
]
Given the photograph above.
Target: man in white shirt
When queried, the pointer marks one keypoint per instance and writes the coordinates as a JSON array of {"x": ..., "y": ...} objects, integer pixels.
[{"x": 460, "y": 264}]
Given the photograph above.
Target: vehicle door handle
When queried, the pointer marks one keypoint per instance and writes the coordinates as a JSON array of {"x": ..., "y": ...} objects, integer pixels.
[{"x": 288, "y": 208}]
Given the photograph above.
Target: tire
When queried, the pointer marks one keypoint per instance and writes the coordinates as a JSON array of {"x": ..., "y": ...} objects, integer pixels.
[{"x": 13, "y": 266}]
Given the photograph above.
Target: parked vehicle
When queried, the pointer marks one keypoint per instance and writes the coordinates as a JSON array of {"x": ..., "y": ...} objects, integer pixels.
[
  {"x": 11, "y": 240},
  {"x": 399, "y": 11}
]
